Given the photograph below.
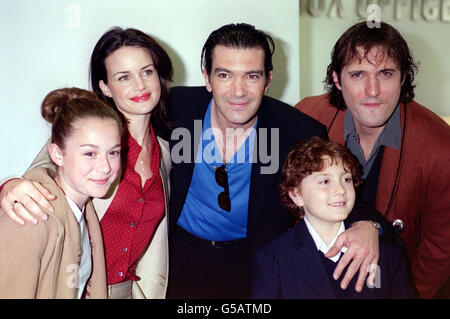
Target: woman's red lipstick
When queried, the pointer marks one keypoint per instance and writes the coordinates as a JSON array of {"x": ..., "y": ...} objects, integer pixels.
[{"x": 141, "y": 98}]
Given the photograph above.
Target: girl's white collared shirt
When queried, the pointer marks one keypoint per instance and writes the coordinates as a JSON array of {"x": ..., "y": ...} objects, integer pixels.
[{"x": 85, "y": 268}]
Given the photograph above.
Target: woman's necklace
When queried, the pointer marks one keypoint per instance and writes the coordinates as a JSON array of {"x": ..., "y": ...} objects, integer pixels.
[{"x": 143, "y": 161}]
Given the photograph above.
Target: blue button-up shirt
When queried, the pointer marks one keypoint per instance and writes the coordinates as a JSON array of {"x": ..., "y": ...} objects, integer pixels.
[{"x": 201, "y": 214}]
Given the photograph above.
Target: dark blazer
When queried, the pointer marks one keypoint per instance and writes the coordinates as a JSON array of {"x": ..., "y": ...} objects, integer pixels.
[
  {"x": 267, "y": 217},
  {"x": 291, "y": 267}
]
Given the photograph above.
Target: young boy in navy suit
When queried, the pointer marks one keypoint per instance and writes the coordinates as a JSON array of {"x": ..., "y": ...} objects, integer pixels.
[{"x": 318, "y": 186}]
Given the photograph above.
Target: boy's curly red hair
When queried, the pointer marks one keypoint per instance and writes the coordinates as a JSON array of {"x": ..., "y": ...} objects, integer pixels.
[{"x": 308, "y": 157}]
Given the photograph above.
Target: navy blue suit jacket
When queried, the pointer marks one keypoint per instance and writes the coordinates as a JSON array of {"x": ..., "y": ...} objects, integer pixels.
[{"x": 291, "y": 267}]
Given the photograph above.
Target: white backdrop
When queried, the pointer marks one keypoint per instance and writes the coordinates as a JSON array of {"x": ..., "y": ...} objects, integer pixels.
[{"x": 46, "y": 44}]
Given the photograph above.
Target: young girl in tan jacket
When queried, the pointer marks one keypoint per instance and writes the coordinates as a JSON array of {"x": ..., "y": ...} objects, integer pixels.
[{"x": 63, "y": 257}]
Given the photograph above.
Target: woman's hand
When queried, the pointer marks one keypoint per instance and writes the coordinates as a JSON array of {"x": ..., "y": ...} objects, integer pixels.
[{"x": 19, "y": 199}]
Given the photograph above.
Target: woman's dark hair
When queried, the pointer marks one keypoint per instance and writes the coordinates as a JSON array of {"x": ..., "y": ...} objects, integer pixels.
[
  {"x": 114, "y": 39},
  {"x": 64, "y": 107},
  {"x": 241, "y": 36},
  {"x": 308, "y": 157},
  {"x": 362, "y": 36}
]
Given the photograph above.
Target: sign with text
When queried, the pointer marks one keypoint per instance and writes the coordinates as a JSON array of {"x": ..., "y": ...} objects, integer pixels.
[{"x": 415, "y": 10}]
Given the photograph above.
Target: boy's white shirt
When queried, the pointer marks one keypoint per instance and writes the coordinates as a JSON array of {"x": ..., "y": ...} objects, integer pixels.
[{"x": 320, "y": 243}]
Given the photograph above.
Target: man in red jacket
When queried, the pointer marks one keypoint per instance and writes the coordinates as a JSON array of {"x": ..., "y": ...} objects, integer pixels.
[{"x": 403, "y": 147}]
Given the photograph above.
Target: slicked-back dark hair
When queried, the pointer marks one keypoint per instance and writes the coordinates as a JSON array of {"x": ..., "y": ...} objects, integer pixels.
[
  {"x": 362, "y": 36},
  {"x": 114, "y": 39},
  {"x": 240, "y": 36}
]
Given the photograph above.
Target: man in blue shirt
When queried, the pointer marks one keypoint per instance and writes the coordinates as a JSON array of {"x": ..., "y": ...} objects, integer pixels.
[{"x": 225, "y": 202}]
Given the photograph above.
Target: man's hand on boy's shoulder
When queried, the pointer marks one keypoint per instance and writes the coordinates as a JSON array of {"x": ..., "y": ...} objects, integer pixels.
[{"x": 362, "y": 243}]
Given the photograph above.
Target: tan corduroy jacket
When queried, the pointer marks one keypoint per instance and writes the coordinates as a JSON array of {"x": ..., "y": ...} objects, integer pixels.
[{"x": 41, "y": 261}]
